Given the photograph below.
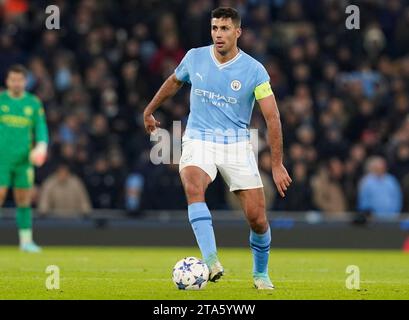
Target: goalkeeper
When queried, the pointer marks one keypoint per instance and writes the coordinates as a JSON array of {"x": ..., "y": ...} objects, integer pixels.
[{"x": 23, "y": 143}]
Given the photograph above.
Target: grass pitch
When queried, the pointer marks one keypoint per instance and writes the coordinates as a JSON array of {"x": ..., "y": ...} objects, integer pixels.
[{"x": 145, "y": 273}]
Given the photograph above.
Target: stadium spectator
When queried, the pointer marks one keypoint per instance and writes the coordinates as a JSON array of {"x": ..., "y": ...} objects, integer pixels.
[
  {"x": 379, "y": 192},
  {"x": 168, "y": 55},
  {"x": 405, "y": 189},
  {"x": 328, "y": 191},
  {"x": 299, "y": 196},
  {"x": 354, "y": 168},
  {"x": 64, "y": 195},
  {"x": 400, "y": 163},
  {"x": 133, "y": 193},
  {"x": 101, "y": 183},
  {"x": 165, "y": 181}
]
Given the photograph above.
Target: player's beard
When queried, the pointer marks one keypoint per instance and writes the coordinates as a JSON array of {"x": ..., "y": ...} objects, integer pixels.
[
  {"x": 224, "y": 51},
  {"x": 17, "y": 92}
]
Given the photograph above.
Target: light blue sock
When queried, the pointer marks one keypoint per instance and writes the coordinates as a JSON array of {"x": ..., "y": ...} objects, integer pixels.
[
  {"x": 201, "y": 221},
  {"x": 260, "y": 246}
]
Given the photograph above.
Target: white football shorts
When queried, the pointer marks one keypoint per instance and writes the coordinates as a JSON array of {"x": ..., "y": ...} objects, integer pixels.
[{"x": 235, "y": 161}]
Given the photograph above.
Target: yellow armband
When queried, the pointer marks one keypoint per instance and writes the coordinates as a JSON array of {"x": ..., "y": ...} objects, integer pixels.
[{"x": 263, "y": 90}]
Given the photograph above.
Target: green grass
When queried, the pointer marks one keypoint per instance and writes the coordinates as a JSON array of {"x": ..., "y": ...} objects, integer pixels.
[{"x": 145, "y": 273}]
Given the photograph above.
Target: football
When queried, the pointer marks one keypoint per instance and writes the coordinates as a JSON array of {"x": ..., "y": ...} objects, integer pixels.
[{"x": 190, "y": 273}]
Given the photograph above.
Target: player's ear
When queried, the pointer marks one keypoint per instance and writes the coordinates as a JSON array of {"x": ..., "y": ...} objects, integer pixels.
[{"x": 238, "y": 32}]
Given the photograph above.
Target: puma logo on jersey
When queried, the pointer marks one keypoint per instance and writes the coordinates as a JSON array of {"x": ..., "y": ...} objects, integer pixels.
[{"x": 199, "y": 75}]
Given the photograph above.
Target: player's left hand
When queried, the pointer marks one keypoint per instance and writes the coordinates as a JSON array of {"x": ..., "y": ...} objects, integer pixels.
[
  {"x": 281, "y": 178},
  {"x": 39, "y": 154}
]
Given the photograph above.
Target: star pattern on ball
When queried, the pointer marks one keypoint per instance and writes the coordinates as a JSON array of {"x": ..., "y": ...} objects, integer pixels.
[
  {"x": 186, "y": 266},
  {"x": 181, "y": 285},
  {"x": 199, "y": 281}
]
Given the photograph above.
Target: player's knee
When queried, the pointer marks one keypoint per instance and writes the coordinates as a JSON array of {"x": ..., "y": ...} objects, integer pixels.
[
  {"x": 257, "y": 219},
  {"x": 2, "y": 198},
  {"x": 23, "y": 199},
  {"x": 3, "y": 193},
  {"x": 193, "y": 190},
  {"x": 259, "y": 224}
]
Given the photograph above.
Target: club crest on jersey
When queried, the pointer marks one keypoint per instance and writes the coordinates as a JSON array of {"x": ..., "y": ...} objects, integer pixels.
[
  {"x": 5, "y": 108},
  {"x": 28, "y": 111},
  {"x": 235, "y": 85}
]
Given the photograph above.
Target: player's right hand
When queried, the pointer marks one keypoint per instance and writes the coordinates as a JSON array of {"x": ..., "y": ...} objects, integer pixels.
[
  {"x": 150, "y": 123},
  {"x": 281, "y": 178}
]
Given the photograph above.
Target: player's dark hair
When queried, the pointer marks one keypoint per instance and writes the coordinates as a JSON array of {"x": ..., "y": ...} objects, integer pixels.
[
  {"x": 227, "y": 12},
  {"x": 18, "y": 68}
]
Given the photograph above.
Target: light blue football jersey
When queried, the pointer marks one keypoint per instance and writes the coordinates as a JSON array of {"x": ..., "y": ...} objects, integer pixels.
[{"x": 222, "y": 95}]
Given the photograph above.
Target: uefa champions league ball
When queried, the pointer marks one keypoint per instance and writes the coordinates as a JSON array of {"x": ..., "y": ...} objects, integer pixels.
[{"x": 190, "y": 274}]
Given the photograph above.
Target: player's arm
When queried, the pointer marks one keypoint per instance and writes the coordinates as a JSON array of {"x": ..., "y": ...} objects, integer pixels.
[
  {"x": 167, "y": 90},
  {"x": 269, "y": 109},
  {"x": 38, "y": 154}
]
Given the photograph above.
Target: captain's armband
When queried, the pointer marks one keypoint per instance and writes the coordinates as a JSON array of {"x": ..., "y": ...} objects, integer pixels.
[{"x": 263, "y": 90}]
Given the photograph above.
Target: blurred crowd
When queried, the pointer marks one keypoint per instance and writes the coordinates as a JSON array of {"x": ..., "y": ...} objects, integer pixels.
[{"x": 342, "y": 95}]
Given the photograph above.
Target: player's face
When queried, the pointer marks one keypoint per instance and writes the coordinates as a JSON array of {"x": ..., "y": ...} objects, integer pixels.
[
  {"x": 16, "y": 83},
  {"x": 224, "y": 34}
]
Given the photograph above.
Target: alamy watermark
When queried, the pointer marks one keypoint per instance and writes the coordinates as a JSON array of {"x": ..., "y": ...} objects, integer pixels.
[
  {"x": 52, "y": 282},
  {"x": 52, "y": 22},
  {"x": 353, "y": 281},
  {"x": 353, "y": 20}
]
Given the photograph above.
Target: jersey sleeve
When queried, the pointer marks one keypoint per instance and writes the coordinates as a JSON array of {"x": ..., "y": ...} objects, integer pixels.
[
  {"x": 262, "y": 86},
  {"x": 40, "y": 124},
  {"x": 182, "y": 70}
]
